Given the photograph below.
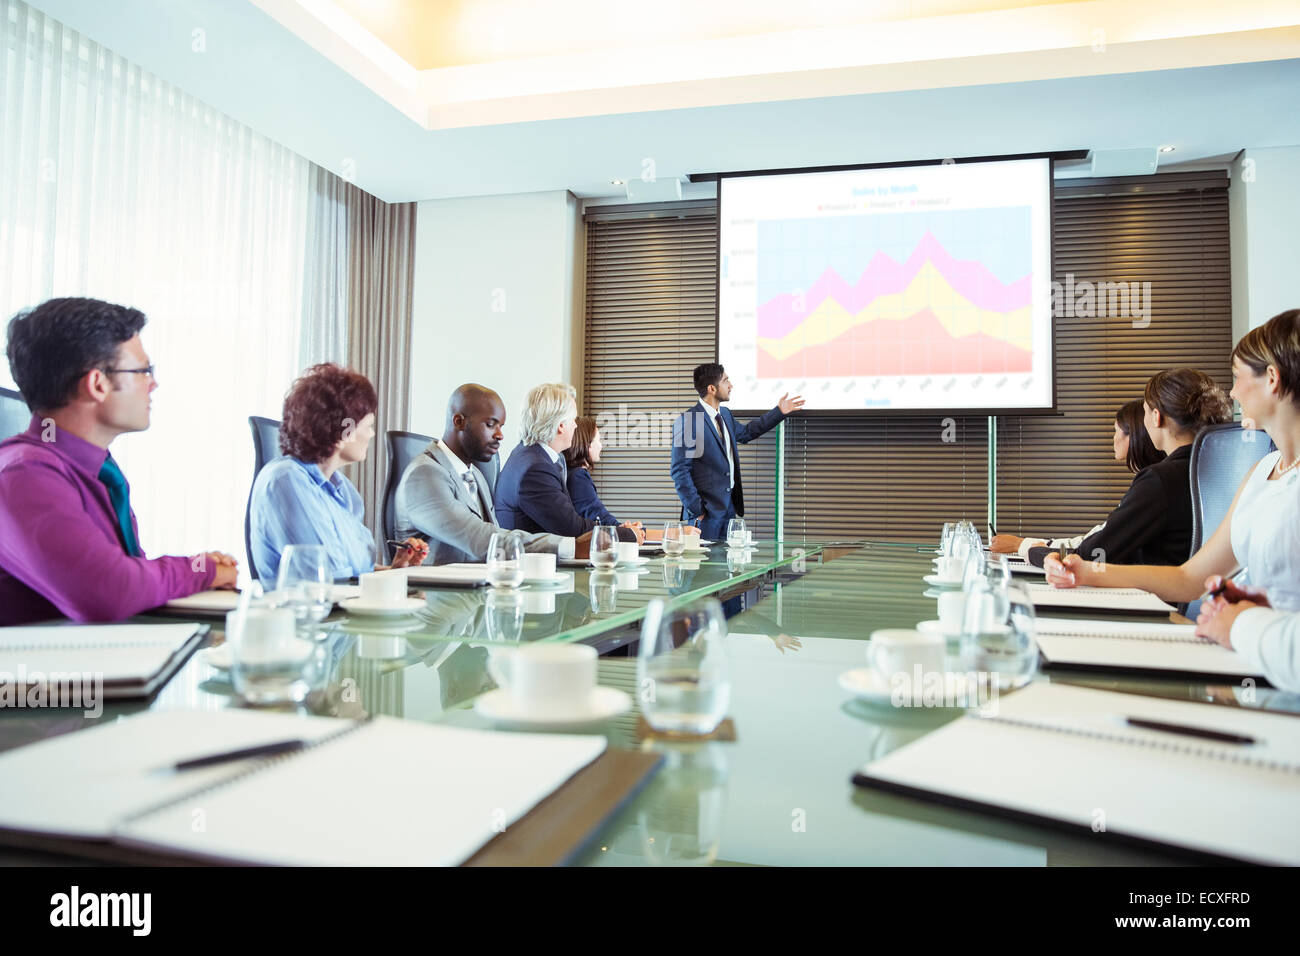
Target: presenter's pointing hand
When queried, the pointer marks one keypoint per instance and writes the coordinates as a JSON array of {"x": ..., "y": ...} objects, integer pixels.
[{"x": 788, "y": 404}]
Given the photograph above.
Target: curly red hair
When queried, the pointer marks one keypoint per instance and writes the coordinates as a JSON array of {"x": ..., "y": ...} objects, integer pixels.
[{"x": 322, "y": 404}]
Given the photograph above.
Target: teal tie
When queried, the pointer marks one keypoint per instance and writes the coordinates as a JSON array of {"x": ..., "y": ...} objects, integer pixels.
[{"x": 115, "y": 482}]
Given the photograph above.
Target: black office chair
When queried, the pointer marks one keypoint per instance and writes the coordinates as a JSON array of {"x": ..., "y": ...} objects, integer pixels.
[
  {"x": 266, "y": 445},
  {"x": 1222, "y": 455},
  {"x": 403, "y": 447},
  {"x": 491, "y": 469},
  {"x": 14, "y": 414}
]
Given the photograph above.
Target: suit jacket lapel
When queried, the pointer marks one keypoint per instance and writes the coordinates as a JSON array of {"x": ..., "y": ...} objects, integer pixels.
[
  {"x": 458, "y": 481},
  {"x": 708, "y": 425},
  {"x": 485, "y": 496}
]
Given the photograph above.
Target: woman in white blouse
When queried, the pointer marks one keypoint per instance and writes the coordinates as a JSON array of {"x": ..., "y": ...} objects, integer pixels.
[{"x": 1262, "y": 528}]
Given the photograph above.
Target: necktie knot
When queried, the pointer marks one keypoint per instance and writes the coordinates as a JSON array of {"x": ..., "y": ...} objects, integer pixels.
[{"x": 111, "y": 475}]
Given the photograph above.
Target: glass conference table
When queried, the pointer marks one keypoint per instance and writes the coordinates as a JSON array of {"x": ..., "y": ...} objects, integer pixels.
[{"x": 780, "y": 792}]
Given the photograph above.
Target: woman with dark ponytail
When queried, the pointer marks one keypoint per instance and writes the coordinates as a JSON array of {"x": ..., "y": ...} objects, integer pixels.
[
  {"x": 1132, "y": 446},
  {"x": 1153, "y": 524}
]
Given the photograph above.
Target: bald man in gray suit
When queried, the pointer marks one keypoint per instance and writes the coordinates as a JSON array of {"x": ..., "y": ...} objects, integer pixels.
[{"x": 444, "y": 497}]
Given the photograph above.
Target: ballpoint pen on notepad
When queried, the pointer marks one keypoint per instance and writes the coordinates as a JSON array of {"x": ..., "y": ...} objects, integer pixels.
[
  {"x": 244, "y": 753},
  {"x": 1202, "y": 732}
]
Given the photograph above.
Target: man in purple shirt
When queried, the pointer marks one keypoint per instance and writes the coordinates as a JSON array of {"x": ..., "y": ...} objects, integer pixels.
[{"x": 69, "y": 544}]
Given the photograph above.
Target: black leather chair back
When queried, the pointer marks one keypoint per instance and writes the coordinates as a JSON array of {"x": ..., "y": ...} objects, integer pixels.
[
  {"x": 491, "y": 469},
  {"x": 1222, "y": 455},
  {"x": 14, "y": 414},
  {"x": 266, "y": 445},
  {"x": 402, "y": 449}
]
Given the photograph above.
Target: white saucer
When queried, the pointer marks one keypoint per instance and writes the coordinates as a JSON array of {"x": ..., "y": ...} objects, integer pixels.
[
  {"x": 604, "y": 703},
  {"x": 218, "y": 657},
  {"x": 400, "y": 609},
  {"x": 936, "y": 627},
  {"x": 865, "y": 683},
  {"x": 559, "y": 577},
  {"x": 635, "y": 563},
  {"x": 946, "y": 583}
]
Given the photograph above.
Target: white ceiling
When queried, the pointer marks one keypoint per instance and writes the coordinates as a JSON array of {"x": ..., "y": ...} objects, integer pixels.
[{"x": 258, "y": 71}]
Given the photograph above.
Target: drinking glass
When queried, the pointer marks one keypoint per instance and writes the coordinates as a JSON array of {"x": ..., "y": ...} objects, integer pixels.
[
  {"x": 505, "y": 559},
  {"x": 270, "y": 662},
  {"x": 736, "y": 533},
  {"x": 682, "y": 667},
  {"x": 674, "y": 538},
  {"x": 946, "y": 538},
  {"x": 304, "y": 583},
  {"x": 998, "y": 635},
  {"x": 604, "y": 546}
]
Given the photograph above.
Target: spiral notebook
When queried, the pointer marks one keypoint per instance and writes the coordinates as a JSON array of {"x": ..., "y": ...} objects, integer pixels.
[
  {"x": 1064, "y": 755},
  {"x": 1161, "y": 649},
  {"x": 132, "y": 660},
  {"x": 378, "y": 792},
  {"x": 1133, "y": 600}
]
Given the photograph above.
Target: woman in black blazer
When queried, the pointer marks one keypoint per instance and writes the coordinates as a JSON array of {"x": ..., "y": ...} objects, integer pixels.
[
  {"x": 581, "y": 455},
  {"x": 1153, "y": 523}
]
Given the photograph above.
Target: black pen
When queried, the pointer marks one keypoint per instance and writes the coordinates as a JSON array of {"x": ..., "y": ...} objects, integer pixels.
[
  {"x": 402, "y": 546},
  {"x": 264, "y": 750},
  {"x": 1223, "y": 583},
  {"x": 1218, "y": 735}
]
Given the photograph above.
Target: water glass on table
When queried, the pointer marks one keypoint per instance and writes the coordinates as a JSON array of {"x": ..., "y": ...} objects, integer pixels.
[
  {"x": 737, "y": 535},
  {"x": 682, "y": 667},
  {"x": 270, "y": 663},
  {"x": 998, "y": 635},
  {"x": 604, "y": 547},
  {"x": 304, "y": 583},
  {"x": 674, "y": 541},
  {"x": 505, "y": 559}
]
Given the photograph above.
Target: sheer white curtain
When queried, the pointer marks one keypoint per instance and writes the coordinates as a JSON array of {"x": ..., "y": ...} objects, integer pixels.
[{"x": 121, "y": 187}]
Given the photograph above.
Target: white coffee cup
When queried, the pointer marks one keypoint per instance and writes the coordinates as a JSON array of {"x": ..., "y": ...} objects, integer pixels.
[
  {"x": 383, "y": 587},
  {"x": 264, "y": 635},
  {"x": 952, "y": 608},
  {"x": 694, "y": 542},
  {"x": 949, "y": 569},
  {"x": 547, "y": 680},
  {"x": 897, "y": 651},
  {"x": 539, "y": 566},
  {"x": 628, "y": 552}
]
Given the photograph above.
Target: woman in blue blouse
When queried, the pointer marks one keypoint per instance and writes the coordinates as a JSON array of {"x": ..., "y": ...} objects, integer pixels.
[
  {"x": 302, "y": 497},
  {"x": 580, "y": 456}
]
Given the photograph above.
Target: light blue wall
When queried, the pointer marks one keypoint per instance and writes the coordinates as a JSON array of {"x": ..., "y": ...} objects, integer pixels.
[
  {"x": 497, "y": 282},
  {"x": 1264, "y": 204}
]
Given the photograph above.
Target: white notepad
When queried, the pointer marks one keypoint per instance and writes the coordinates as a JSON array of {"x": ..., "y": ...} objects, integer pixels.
[
  {"x": 386, "y": 792},
  {"x": 221, "y": 601},
  {"x": 1064, "y": 754},
  {"x": 1017, "y": 566},
  {"x": 1117, "y": 645},
  {"x": 459, "y": 575},
  {"x": 131, "y": 659},
  {"x": 1096, "y": 599}
]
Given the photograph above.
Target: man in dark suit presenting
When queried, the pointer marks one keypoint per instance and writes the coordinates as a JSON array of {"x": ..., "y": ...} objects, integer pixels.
[{"x": 705, "y": 465}]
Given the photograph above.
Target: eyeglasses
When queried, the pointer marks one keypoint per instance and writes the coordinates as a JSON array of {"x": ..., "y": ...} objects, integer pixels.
[{"x": 147, "y": 370}]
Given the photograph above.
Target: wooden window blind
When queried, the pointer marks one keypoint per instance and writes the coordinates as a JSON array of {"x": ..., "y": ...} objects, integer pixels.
[
  {"x": 1057, "y": 475},
  {"x": 651, "y": 307},
  {"x": 651, "y": 317}
]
